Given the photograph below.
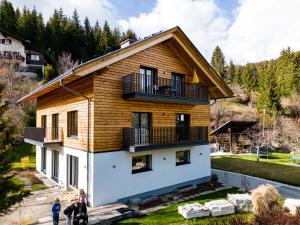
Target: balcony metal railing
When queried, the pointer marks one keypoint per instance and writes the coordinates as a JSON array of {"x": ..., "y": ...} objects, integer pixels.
[
  {"x": 11, "y": 55},
  {"x": 157, "y": 86},
  {"x": 43, "y": 135},
  {"x": 158, "y": 136}
]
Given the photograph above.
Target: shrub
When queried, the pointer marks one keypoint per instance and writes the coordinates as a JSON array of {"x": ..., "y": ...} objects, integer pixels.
[{"x": 265, "y": 200}]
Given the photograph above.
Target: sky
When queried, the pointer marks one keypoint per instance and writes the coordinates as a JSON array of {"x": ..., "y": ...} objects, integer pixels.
[{"x": 245, "y": 30}]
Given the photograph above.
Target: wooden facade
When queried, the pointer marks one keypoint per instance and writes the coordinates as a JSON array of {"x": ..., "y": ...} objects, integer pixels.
[{"x": 101, "y": 80}]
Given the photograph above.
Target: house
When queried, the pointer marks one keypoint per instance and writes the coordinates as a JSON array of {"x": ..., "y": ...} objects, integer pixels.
[
  {"x": 28, "y": 61},
  {"x": 129, "y": 123}
]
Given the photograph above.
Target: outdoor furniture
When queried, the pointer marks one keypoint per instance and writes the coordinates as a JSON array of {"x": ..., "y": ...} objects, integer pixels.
[
  {"x": 220, "y": 207},
  {"x": 194, "y": 210},
  {"x": 165, "y": 89},
  {"x": 242, "y": 202}
]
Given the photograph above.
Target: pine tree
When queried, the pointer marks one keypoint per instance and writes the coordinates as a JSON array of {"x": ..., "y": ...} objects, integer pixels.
[
  {"x": 10, "y": 192},
  {"x": 8, "y": 17},
  {"x": 249, "y": 77},
  {"x": 230, "y": 72},
  {"x": 237, "y": 78},
  {"x": 218, "y": 62},
  {"x": 267, "y": 97},
  {"x": 106, "y": 39},
  {"x": 286, "y": 73}
]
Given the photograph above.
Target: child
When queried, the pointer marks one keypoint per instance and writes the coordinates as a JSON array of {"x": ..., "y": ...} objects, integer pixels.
[
  {"x": 55, "y": 211},
  {"x": 82, "y": 196}
]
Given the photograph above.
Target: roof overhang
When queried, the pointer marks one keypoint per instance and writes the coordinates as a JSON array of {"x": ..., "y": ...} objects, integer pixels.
[
  {"x": 101, "y": 62},
  {"x": 236, "y": 126}
]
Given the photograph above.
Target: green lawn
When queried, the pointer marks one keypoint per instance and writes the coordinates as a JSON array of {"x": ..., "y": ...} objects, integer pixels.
[
  {"x": 170, "y": 215},
  {"x": 276, "y": 157},
  {"x": 272, "y": 169},
  {"x": 23, "y": 150}
]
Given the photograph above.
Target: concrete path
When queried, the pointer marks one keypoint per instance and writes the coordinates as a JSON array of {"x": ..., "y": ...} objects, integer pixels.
[
  {"x": 36, "y": 209},
  {"x": 249, "y": 183}
]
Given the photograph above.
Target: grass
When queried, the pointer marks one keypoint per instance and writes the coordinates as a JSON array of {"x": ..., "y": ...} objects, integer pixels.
[
  {"x": 23, "y": 150},
  {"x": 276, "y": 157},
  {"x": 170, "y": 215},
  {"x": 26, "y": 150},
  {"x": 272, "y": 169}
]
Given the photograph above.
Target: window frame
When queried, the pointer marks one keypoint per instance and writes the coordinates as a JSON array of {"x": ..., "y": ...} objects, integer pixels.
[
  {"x": 72, "y": 124},
  {"x": 148, "y": 164},
  {"x": 55, "y": 126},
  {"x": 187, "y": 154}
]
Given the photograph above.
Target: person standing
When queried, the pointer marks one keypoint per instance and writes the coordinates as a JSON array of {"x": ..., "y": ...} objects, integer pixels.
[
  {"x": 68, "y": 212},
  {"x": 55, "y": 211}
]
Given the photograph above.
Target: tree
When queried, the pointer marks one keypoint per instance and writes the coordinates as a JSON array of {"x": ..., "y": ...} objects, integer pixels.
[
  {"x": 218, "y": 62},
  {"x": 249, "y": 77},
  {"x": 49, "y": 73},
  {"x": 230, "y": 72},
  {"x": 286, "y": 72},
  {"x": 65, "y": 62},
  {"x": 10, "y": 192},
  {"x": 267, "y": 98},
  {"x": 8, "y": 17}
]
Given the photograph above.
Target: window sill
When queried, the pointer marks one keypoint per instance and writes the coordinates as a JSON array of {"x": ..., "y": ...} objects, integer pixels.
[
  {"x": 183, "y": 163},
  {"x": 73, "y": 137},
  {"x": 140, "y": 171}
]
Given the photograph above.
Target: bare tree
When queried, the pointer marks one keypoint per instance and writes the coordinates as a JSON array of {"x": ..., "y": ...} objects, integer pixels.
[
  {"x": 289, "y": 133},
  {"x": 65, "y": 62}
]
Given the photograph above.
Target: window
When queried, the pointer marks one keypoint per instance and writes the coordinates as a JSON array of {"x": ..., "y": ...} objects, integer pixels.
[
  {"x": 44, "y": 123},
  {"x": 141, "y": 163},
  {"x": 55, "y": 126},
  {"x": 35, "y": 57},
  {"x": 182, "y": 157},
  {"x": 6, "y": 41},
  {"x": 141, "y": 124},
  {"x": 147, "y": 80},
  {"x": 178, "y": 84},
  {"x": 73, "y": 123}
]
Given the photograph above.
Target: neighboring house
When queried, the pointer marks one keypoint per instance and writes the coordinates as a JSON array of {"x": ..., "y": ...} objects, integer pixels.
[
  {"x": 29, "y": 62},
  {"x": 129, "y": 123}
]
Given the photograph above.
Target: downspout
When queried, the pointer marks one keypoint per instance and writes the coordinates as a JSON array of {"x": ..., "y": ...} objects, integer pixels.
[{"x": 88, "y": 131}]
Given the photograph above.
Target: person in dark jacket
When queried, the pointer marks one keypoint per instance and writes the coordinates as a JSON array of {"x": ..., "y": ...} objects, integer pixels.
[
  {"x": 69, "y": 211},
  {"x": 80, "y": 213},
  {"x": 55, "y": 211}
]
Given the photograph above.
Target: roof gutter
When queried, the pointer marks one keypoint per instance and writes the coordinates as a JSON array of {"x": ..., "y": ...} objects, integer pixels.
[{"x": 88, "y": 130}]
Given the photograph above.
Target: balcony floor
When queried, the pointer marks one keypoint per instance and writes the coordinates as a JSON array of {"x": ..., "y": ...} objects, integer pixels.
[{"x": 165, "y": 98}]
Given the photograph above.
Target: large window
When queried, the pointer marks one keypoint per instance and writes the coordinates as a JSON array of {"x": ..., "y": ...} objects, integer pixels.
[
  {"x": 178, "y": 84},
  {"x": 44, "y": 123},
  {"x": 73, "y": 124},
  {"x": 141, "y": 163},
  {"x": 182, "y": 157},
  {"x": 147, "y": 80}
]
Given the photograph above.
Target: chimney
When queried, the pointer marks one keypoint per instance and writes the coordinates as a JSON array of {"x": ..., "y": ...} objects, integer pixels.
[{"x": 127, "y": 42}]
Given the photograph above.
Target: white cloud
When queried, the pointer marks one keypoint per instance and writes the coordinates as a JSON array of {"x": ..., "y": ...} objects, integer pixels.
[
  {"x": 262, "y": 29},
  {"x": 100, "y": 10},
  {"x": 259, "y": 30},
  {"x": 201, "y": 20}
]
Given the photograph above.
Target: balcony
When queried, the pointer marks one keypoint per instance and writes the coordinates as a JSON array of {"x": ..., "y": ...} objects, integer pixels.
[
  {"x": 141, "y": 139},
  {"x": 143, "y": 87},
  {"x": 11, "y": 56},
  {"x": 43, "y": 137}
]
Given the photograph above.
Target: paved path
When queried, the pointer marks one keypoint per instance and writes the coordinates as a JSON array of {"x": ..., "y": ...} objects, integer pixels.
[
  {"x": 36, "y": 209},
  {"x": 248, "y": 182}
]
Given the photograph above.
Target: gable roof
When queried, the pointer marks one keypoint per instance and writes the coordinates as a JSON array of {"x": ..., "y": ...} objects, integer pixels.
[
  {"x": 6, "y": 33},
  {"x": 173, "y": 34}
]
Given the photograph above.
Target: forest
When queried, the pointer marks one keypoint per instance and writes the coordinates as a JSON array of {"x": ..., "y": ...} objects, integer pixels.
[
  {"x": 267, "y": 92},
  {"x": 60, "y": 33}
]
